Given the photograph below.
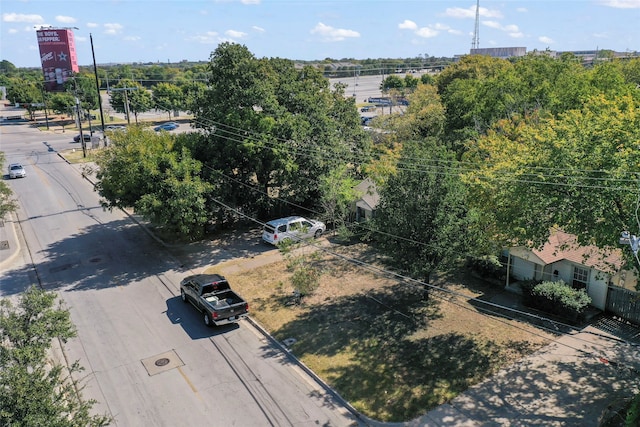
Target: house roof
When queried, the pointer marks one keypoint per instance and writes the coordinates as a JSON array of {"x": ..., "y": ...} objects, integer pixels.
[
  {"x": 564, "y": 246},
  {"x": 369, "y": 193}
]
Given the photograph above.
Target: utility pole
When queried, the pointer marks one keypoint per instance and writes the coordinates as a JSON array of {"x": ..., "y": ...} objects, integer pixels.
[
  {"x": 95, "y": 72},
  {"x": 126, "y": 99},
  {"x": 79, "y": 111},
  {"x": 44, "y": 102}
]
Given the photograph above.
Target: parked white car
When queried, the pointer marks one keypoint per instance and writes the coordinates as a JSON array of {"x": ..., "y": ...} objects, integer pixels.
[
  {"x": 292, "y": 228},
  {"x": 16, "y": 170}
]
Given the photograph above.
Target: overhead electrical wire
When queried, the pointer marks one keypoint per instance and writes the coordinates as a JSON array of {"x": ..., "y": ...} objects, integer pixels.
[{"x": 239, "y": 137}]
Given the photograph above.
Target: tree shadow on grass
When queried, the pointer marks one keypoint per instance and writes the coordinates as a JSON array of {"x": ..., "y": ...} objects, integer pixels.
[
  {"x": 332, "y": 326},
  {"x": 377, "y": 365}
]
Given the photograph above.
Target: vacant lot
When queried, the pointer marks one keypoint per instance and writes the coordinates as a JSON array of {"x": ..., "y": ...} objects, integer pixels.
[{"x": 391, "y": 352}]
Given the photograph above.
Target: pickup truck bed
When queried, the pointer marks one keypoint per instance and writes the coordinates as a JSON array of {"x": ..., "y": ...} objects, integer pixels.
[{"x": 213, "y": 297}]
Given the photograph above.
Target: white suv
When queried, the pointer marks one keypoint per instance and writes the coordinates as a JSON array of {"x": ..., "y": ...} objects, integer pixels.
[{"x": 291, "y": 228}]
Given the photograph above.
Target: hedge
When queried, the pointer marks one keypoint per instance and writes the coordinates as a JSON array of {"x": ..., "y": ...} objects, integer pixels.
[{"x": 557, "y": 298}]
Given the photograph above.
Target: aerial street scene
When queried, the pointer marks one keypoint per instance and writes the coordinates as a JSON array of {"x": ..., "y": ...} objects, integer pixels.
[{"x": 329, "y": 213}]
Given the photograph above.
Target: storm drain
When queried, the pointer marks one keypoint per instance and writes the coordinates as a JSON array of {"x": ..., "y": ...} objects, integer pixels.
[
  {"x": 4, "y": 244},
  {"x": 162, "y": 362}
]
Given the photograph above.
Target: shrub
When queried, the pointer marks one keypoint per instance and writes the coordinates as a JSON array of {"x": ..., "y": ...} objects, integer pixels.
[
  {"x": 560, "y": 292},
  {"x": 486, "y": 266},
  {"x": 556, "y": 298}
]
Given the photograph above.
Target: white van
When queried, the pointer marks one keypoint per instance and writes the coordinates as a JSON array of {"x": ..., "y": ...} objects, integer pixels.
[{"x": 293, "y": 228}]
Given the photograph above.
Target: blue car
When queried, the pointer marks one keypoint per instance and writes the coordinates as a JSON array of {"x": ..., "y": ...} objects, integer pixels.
[{"x": 166, "y": 126}]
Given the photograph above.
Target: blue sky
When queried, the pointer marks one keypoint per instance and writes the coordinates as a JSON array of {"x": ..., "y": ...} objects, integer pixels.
[{"x": 170, "y": 31}]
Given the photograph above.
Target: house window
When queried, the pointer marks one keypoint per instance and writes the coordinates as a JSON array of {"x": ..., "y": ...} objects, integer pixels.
[{"x": 580, "y": 277}]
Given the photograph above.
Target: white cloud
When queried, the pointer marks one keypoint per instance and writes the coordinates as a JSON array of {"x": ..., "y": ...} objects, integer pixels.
[
  {"x": 492, "y": 24},
  {"x": 458, "y": 12},
  {"x": 426, "y": 32},
  {"x": 407, "y": 25},
  {"x": 235, "y": 34},
  {"x": 622, "y": 4},
  {"x": 12, "y": 31},
  {"x": 331, "y": 34},
  {"x": 210, "y": 37},
  {"x": 545, "y": 40},
  {"x": 92, "y": 24},
  {"x": 112, "y": 28},
  {"x": 258, "y": 29},
  {"x": 65, "y": 19},
  {"x": 512, "y": 30},
  {"x": 20, "y": 17},
  {"x": 441, "y": 27},
  {"x": 131, "y": 38}
]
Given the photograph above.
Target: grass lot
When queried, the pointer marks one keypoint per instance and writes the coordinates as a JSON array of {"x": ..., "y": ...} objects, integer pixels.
[
  {"x": 75, "y": 155},
  {"x": 386, "y": 349}
]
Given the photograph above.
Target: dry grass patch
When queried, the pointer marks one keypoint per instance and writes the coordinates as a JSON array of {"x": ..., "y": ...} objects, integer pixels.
[{"x": 390, "y": 352}]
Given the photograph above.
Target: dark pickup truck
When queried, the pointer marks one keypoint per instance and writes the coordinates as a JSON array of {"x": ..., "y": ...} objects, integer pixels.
[{"x": 213, "y": 297}]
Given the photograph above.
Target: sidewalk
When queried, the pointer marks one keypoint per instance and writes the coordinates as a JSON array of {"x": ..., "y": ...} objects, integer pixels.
[{"x": 9, "y": 243}]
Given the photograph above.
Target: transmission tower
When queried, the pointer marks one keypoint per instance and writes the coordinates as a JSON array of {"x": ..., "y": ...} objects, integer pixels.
[{"x": 475, "y": 44}]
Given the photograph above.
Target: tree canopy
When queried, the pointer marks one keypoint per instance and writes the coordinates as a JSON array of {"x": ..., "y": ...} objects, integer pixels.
[{"x": 34, "y": 389}]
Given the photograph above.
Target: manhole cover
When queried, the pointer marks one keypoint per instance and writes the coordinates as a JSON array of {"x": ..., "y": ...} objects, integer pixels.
[{"x": 162, "y": 362}]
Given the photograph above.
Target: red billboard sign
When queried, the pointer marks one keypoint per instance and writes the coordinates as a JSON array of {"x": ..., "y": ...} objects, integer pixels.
[{"x": 57, "y": 55}]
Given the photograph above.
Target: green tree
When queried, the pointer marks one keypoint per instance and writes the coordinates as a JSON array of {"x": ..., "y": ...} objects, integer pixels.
[
  {"x": 168, "y": 97},
  {"x": 578, "y": 171},
  {"x": 392, "y": 82},
  {"x": 160, "y": 181},
  {"x": 62, "y": 103},
  {"x": 424, "y": 117},
  {"x": 192, "y": 93},
  {"x": 27, "y": 93},
  {"x": 7, "y": 203},
  {"x": 338, "y": 194},
  {"x": 139, "y": 99},
  {"x": 7, "y": 67},
  {"x": 423, "y": 218},
  {"x": 410, "y": 83},
  {"x": 34, "y": 389},
  {"x": 275, "y": 126}
]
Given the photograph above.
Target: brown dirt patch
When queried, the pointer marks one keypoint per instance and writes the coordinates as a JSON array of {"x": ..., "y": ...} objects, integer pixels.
[{"x": 390, "y": 352}]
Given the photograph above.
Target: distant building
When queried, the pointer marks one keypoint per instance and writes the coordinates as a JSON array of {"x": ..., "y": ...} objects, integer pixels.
[{"x": 500, "y": 52}]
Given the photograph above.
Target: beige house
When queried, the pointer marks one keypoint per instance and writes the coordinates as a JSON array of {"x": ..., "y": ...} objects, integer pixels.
[
  {"x": 364, "y": 207},
  {"x": 584, "y": 267}
]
